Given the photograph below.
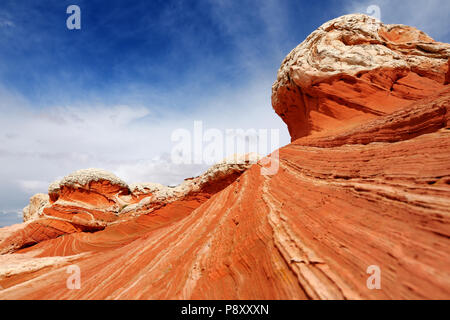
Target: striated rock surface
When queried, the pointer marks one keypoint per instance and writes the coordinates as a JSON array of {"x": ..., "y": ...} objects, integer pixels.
[
  {"x": 366, "y": 182},
  {"x": 354, "y": 69}
]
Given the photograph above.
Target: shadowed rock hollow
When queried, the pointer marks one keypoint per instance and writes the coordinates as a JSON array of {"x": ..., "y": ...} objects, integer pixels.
[{"x": 366, "y": 181}]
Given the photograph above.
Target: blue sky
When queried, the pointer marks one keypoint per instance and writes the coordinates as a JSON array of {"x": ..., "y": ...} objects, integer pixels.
[
  {"x": 109, "y": 95},
  {"x": 137, "y": 49}
]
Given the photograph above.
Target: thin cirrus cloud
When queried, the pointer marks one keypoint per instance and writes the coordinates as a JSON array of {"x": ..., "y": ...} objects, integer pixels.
[{"x": 111, "y": 95}]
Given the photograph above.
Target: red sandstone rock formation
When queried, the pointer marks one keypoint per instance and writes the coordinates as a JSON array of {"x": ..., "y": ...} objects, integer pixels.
[
  {"x": 354, "y": 69},
  {"x": 365, "y": 182}
]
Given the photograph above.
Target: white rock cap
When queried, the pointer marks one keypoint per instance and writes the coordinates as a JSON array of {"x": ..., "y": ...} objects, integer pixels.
[{"x": 85, "y": 176}]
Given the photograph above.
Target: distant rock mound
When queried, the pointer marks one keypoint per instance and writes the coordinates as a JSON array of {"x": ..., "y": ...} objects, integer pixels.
[{"x": 364, "y": 185}]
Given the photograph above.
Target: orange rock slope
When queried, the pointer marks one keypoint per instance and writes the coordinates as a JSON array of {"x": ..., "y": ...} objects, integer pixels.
[{"x": 365, "y": 182}]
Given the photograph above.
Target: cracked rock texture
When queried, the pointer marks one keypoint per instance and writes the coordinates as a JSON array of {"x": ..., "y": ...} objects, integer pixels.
[{"x": 366, "y": 181}]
